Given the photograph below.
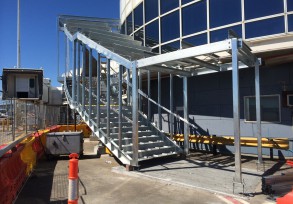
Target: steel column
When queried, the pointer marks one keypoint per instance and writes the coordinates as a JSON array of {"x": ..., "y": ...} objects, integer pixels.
[
  {"x": 128, "y": 86},
  {"x": 78, "y": 73},
  {"x": 159, "y": 101},
  {"x": 186, "y": 115},
  {"x": 140, "y": 88},
  {"x": 83, "y": 77},
  {"x": 120, "y": 107},
  {"x": 108, "y": 97},
  {"x": 98, "y": 89},
  {"x": 171, "y": 107},
  {"x": 74, "y": 72},
  {"x": 149, "y": 95},
  {"x": 134, "y": 116},
  {"x": 258, "y": 113},
  {"x": 236, "y": 114},
  {"x": 90, "y": 82}
]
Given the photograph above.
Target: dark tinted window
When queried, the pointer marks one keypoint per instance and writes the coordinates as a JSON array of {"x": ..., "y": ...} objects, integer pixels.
[
  {"x": 170, "y": 26},
  {"x": 259, "y": 8},
  {"x": 264, "y": 27},
  {"x": 290, "y": 23},
  {"x": 270, "y": 108},
  {"x": 138, "y": 35},
  {"x": 151, "y": 9},
  {"x": 222, "y": 34},
  {"x": 170, "y": 47},
  {"x": 194, "y": 41},
  {"x": 289, "y": 5},
  {"x": 185, "y": 1},
  {"x": 138, "y": 16},
  {"x": 168, "y": 5},
  {"x": 122, "y": 28},
  {"x": 152, "y": 34},
  {"x": 129, "y": 24},
  {"x": 224, "y": 12},
  {"x": 194, "y": 18}
]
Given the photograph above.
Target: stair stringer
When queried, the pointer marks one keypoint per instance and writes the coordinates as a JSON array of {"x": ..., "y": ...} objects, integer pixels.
[{"x": 108, "y": 142}]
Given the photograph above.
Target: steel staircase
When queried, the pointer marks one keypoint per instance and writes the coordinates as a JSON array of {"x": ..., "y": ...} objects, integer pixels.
[
  {"x": 120, "y": 126},
  {"x": 152, "y": 142}
]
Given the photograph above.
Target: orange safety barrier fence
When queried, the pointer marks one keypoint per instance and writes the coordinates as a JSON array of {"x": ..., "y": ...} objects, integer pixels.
[
  {"x": 13, "y": 174},
  {"x": 18, "y": 163}
]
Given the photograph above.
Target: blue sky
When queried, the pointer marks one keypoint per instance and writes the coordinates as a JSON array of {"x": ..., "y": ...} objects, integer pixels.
[{"x": 39, "y": 31}]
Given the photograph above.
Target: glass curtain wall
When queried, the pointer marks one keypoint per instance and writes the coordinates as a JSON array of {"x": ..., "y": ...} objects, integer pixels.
[{"x": 168, "y": 25}]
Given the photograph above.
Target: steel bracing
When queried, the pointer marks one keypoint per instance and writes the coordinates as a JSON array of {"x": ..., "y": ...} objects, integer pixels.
[{"x": 120, "y": 124}]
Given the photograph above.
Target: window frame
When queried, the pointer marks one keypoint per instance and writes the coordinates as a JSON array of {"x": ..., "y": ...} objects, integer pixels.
[{"x": 262, "y": 121}]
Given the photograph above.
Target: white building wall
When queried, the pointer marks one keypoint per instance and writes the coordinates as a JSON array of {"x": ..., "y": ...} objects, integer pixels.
[{"x": 126, "y": 6}]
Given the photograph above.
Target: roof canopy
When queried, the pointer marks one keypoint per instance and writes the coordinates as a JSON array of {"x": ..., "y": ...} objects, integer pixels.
[{"x": 103, "y": 35}]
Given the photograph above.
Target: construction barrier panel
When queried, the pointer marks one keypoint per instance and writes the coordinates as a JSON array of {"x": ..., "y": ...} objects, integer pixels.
[{"x": 28, "y": 155}]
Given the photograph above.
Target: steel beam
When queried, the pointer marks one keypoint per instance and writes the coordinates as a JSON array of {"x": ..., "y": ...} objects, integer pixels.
[
  {"x": 204, "y": 64},
  {"x": 98, "y": 89},
  {"x": 185, "y": 53},
  {"x": 83, "y": 76},
  {"x": 134, "y": 116},
  {"x": 90, "y": 83},
  {"x": 92, "y": 44},
  {"x": 171, "y": 107},
  {"x": 186, "y": 115},
  {"x": 258, "y": 113},
  {"x": 108, "y": 97},
  {"x": 73, "y": 74},
  {"x": 236, "y": 113},
  {"x": 120, "y": 107},
  {"x": 159, "y": 101},
  {"x": 149, "y": 95}
]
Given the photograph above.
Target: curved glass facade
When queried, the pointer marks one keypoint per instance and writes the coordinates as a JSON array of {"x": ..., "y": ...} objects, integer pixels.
[{"x": 168, "y": 25}]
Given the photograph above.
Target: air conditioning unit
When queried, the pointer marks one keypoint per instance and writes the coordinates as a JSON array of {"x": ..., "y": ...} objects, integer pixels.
[{"x": 290, "y": 100}]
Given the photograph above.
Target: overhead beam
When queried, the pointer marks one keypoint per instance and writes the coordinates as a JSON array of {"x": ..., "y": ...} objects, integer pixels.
[
  {"x": 204, "y": 64},
  {"x": 186, "y": 53},
  {"x": 169, "y": 70}
]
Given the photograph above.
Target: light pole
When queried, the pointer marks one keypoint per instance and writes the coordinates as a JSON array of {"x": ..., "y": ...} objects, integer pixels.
[{"x": 18, "y": 34}]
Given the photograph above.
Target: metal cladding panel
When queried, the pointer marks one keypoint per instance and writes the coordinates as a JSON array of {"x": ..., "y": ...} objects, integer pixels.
[
  {"x": 55, "y": 96},
  {"x": 64, "y": 143}
]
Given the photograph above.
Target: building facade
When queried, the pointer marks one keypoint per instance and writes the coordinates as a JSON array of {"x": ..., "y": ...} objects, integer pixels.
[{"x": 266, "y": 26}]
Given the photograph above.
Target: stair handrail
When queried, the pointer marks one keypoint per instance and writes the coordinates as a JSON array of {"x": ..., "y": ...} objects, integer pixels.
[
  {"x": 113, "y": 109},
  {"x": 159, "y": 105}
]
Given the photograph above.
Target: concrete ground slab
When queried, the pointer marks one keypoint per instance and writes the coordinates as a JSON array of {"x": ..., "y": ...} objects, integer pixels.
[{"x": 201, "y": 179}]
